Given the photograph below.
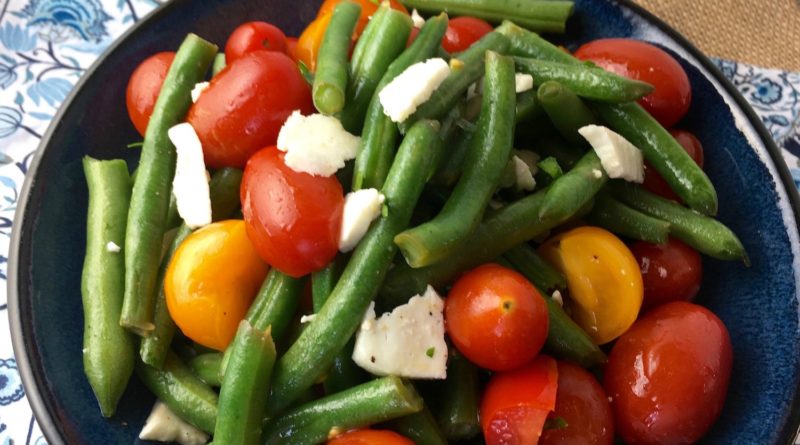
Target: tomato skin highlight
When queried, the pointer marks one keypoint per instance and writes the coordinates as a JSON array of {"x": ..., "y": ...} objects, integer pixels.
[
  {"x": 668, "y": 375},
  {"x": 463, "y": 32},
  {"x": 254, "y": 36},
  {"x": 582, "y": 403},
  {"x": 516, "y": 403},
  {"x": 370, "y": 437},
  {"x": 670, "y": 272},
  {"x": 292, "y": 218},
  {"x": 144, "y": 86},
  {"x": 653, "y": 181},
  {"x": 245, "y": 106},
  {"x": 496, "y": 317},
  {"x": 213, "y": 277},
  {"x": 639, "y": 60}
]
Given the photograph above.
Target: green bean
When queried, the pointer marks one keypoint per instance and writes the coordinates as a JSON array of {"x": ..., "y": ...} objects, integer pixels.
[
  {"x": 705, "y": 234},
  {"x": 626, "y": 221},
  {"x": 330, "y": 79},
  {"x": 151, "y": 192},
  {"x": 456, "y": 402},
  {"x": 544, "y": 276},
  {"x": 468, "y": 69},
  {"x": 572, "y": 191},
  {"x": 313, "y": 352},
  {"x": 241, "y": 397},
  {"x": 528, "y": 106},
  {"x": 371, "y": 59},
  {"x": 420, "y": 427},
  {"x": 538, "y": 15},
  {"x": 317, "y": 421},
  {"x": 566, "y": 110},
  {"x": 219, "y": 64},
  {"x": 585, "y": 80},
  {"x": 276, "y": 303},
  {"x": 173, "y": 218},
  {"x": 224, "y": 193},
  {"x": 549, "y": 170},
  {"x": 663, "y": 153},
  {"x": 489, "y": 153},
  {"x": 206, "y": 367},
  {"x": 184, "y": 393},
  {"x": 378, "y": 138},
  {"x": 524, "y": 43},
  {"x": 108, "y": 349}
]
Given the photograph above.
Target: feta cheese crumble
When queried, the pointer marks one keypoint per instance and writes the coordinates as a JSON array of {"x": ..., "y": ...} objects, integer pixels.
[
  {"x": 523, "y": 82},
  {"x": 113, "y": 247},
  {"x": 316, "y": 144},
  {"x": 408, "y": 342},
  {"x": 401, "y": 97},
  {"x": 620, "y": 158},
  {"x": 307, "y": 318},
  {"x": 523, "y": 174},
  {"x": 190, "y": 184},
  {"x": 165, "y": 426},
  {"x": 360, "y": 209},
  {"x": 198, "y": 90},
  {"x": 419, "y": 22}
]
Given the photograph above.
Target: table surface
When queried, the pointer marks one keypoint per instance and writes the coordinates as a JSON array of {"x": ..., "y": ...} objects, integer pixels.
[{"x": 41, "y": 58}]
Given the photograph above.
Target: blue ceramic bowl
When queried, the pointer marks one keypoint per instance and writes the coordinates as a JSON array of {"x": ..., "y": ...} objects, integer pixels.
[{"x": 757, "y": 200}]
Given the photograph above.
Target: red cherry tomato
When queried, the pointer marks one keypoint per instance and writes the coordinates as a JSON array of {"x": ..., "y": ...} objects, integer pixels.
[
  {"x": 496, "y": 318},
  {"x": 292, "y": 218},
  {"x": 582, "y": 404},
  {"x": 515, "y": 403},
  {"x": 144, "y": 86},
  {"x": 370, "y": 437},
  {"x": 463, "y": 32},
  {"x": 668, "y": 375},
  {"x": 655, "y": 183},
  {"x": 254, "y": 36},
  {"x": 670, "y": 272},
  {"x": 245, "y": 106},
  {"x": 636, "y": 59}
]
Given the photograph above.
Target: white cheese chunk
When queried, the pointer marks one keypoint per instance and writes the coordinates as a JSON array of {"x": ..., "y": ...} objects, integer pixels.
[
  {"x": 419, "y": 22},
  {"x": 165, "y": 426},
  {"x": 113, "y": 247},
  {"x": 190, "y": 184},
  {"x": 360, "y": 209},
  {"x": 523, "y": 82},
  {"x": 401, "y": 97},
  {"x": 316, "y": 144},
  {"x": 620, "y": 158},
  {"x": 530, "y": 157},
  {"x": 307, "y": 318},
  {"x": 523, "y": 173},
  {"x": 408, "y": 342},
  {"x": 557, "y": 297},
  {"x": 198, "y": 90}
]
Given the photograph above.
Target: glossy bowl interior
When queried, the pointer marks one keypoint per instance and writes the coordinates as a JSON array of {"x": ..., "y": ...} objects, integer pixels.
[{"x": 758, "y": 304}]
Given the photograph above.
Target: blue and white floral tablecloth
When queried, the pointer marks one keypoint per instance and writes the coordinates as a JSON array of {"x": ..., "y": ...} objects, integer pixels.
[{"x": 45, "y": 46}]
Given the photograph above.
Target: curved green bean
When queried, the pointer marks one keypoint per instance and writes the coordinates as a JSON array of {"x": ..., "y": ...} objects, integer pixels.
[
  {"x": 206, "y": 367},
  {"x": 330, "y": 79},
  {"x": 626, "y": 221},
  {"x": 457, "y": 399},
  {"x": 538, "y": 15},
  {"x": 525, "y": 43}
]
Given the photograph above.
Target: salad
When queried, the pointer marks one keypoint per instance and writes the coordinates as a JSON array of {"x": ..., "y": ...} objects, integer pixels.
[{"x": 406, "y": 227}]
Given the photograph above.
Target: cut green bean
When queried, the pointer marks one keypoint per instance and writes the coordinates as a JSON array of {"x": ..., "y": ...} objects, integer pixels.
[
  {"x": 372, "y": 402},
  {"x": 566, "y": 110},
  {"x": 151, "y": 191},
  {"x": 330, "y": 79},
  {"x": 224, "y": 193},
  {"x": 420, "y": 427},
  {"x": 206, "y": 367},
  {"x": 627, "y": 221},
  {"x": 538, "y": 15},
  {"x": 549, "y": 170},
  {"x": 108, "y": 349},
  {"x": 705, "y": 234},
  {"x": 489, "y": 153},
  {"x": 241, "y": 397},
  {"x": 456, "y": 404},
  {"x": 314, "y": 351},
  {"x": 219, "y": 64},
  {"x": 572, "y": 191},
  {"x": 525, "y": 259},
  {"x": 528, "y": 106},
  {"x": 525, "y": 43}
]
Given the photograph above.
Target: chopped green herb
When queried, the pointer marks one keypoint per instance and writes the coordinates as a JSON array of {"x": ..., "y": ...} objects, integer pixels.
[{"x": 430, "y": 352}]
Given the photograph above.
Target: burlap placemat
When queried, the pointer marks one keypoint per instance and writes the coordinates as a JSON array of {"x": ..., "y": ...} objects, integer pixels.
[{"x": 759, "y": 32}]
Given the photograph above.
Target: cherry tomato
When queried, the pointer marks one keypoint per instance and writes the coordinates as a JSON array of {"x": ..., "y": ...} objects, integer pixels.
[
  {"x": 368, "y": 8},
  {"x": 144, "y": 86},
  {"x": 655, "y": 183},
  {"x": 292, "y": 218},
  {"x": 668, "y": 375},
  {"x": 412, "y": 36},
  {"x": 245, "y": 106},
  {"x": 515, "y": 403},
  {"x": 636, "y": 59},
  {"x": 291, "y": 48},
  {"x": 211, "y": 281},
  {"x": 310, "y": 40},
  {"x": 603, "y": 279},
  {"x": 581, "y": 403},
  {"x": 463, "y": 32},
  {"x": 254, "y": 36},
  {"x": 670, "y": 272},
  {"x": 496, "y": 317},
  {"x": 370, "y": 437}
]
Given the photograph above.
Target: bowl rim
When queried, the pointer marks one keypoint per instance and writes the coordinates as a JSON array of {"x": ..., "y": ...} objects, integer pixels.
[{"x": 33, "y": 378}]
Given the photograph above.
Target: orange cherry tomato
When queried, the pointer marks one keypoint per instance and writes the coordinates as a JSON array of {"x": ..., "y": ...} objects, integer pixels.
[
  {"x": 144, "y": 86},
  {"x": 370, "y": 437},
  {"x": 211, "y": 281},
  {"x": 310, "y": 40}
]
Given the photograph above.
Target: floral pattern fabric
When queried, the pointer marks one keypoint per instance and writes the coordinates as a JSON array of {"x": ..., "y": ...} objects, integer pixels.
[{"x": 46, "y": 45}]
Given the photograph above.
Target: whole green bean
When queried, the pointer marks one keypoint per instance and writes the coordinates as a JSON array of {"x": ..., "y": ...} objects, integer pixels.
[
  {"x": 574, "y": 189},
  {"x": 241, "y": 397},
  {"x": 276, "y": 303},
  {"x": 108, "y": 349},
  {"x": 151, "y": 191},
  {"x": 377, "y": 148},
  {"x": 538, "y": 15},
  {"x": 456, "y": 403},
  {"x": 525, "y": 43},
  {"x": 489, "y": 153},
  {"x": 184, "y": 393},
  {"x": 525, "y": 259},
  {"x": 330, "y": 79},
  {"x": 317, "y": 421},
  {"x": 219, "y": 64},
  {"x": 705, "y": 234},
  {"x": 313, "y": 352},
  {"x": 566, "y": 110},
  {"x": 626, "y": 221},
  {"x": 420, "y": 427},
  {"x": 206, "y": 367}
]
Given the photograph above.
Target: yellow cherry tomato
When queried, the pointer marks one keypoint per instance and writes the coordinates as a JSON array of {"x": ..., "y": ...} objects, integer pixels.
[
  {"x": 603, "y": 279},
  {"x": 211, "y": 281}
]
